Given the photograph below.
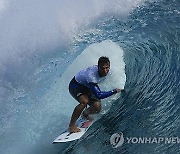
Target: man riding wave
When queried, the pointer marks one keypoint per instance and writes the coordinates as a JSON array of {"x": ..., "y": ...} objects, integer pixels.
[{"x": 84, "y": 88}]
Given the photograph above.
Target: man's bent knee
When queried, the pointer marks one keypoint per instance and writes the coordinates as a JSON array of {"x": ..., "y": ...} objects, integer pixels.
[
  {"x": 97, "y": 106},
  {"x": 83, "y": 99}
]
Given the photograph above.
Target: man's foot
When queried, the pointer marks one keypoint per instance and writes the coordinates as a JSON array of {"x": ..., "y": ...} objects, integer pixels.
[
  {"x": 74, "y": 129},
  {"x": 86, "y": 116}
]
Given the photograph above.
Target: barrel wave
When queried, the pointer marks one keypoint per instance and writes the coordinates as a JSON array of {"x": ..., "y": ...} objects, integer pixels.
[
  {"x": 41, "y": 43},
  {"x": 150, "y": 105}
]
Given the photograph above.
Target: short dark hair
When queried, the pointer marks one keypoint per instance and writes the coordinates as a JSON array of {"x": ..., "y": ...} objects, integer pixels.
[{"x": 103, "y": 60}]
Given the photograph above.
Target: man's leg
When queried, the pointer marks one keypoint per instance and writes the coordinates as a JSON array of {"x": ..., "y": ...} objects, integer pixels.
[
  {"x": 83, "y": 101},
  {"x": 93, "y": 109}
]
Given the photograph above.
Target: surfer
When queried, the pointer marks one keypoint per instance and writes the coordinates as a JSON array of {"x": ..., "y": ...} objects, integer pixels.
[{"x": 84, "y": 88}]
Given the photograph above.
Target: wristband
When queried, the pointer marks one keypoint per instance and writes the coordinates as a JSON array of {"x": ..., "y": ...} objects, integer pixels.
[{"x": 114, "y": 91}]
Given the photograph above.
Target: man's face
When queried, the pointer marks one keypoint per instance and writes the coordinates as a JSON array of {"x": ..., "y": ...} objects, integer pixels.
[{"x": 103, "y": 69}]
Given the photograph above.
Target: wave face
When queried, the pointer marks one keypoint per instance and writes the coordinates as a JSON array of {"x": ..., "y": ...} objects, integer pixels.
[{"x": 39, "y": 40}]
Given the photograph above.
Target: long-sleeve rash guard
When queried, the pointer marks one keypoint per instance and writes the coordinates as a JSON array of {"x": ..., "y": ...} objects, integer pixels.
[
  {"x": 100, "y": 94},
  {"x": 90, "y": 78}
]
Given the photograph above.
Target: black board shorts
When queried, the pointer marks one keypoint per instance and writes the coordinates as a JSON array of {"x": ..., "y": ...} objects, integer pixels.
[{"x": 76, "y": 90}]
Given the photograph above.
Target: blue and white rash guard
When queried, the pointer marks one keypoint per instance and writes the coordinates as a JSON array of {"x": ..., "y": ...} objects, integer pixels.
[{"x": 90, "y": 78}]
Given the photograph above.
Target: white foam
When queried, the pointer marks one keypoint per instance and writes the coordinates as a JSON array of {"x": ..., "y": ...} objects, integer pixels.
[
  {"x": 3, "y": 5},
  {"x": 58, "y": 95},
  {"x": 31, "y": 27}
]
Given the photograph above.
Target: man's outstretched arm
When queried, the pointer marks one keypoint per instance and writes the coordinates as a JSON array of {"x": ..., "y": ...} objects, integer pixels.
[{"x": 102, "y": 94}]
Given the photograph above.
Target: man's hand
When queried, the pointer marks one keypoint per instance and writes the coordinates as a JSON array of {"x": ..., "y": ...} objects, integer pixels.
[{"x": 119, "y": 90}]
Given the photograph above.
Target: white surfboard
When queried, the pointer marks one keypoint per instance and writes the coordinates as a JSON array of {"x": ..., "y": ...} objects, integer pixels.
[{"x": 66, "y": 136}]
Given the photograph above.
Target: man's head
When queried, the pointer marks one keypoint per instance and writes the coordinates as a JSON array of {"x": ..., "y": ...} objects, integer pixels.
[{"x": 103, "y": 66}]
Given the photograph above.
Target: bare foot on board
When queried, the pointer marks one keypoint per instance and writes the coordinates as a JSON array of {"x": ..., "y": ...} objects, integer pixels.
[{"x": 74, "y": 129}]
